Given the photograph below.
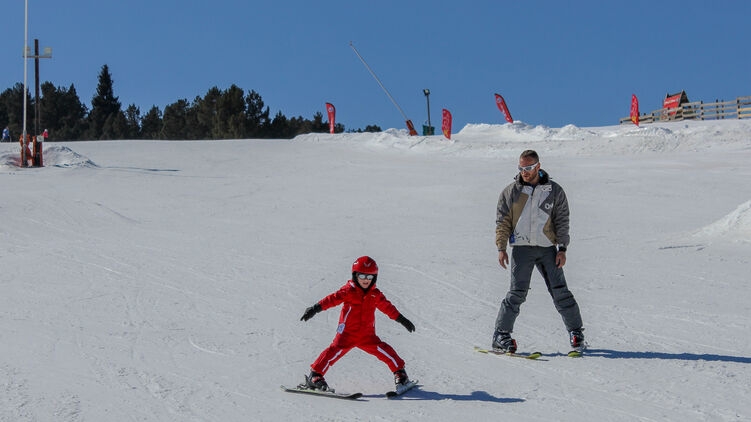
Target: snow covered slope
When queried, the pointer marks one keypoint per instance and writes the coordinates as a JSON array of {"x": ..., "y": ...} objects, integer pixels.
[{"x": 164, "y": 281}]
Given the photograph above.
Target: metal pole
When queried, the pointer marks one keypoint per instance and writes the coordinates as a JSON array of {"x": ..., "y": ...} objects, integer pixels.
[
  {"x": 25, "y": 55},
  {"x": 37, "y": 123},
  {"x": 427, "y": 98}
]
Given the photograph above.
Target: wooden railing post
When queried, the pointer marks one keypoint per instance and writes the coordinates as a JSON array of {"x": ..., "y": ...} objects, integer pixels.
[{"x": 738, "y": 106}]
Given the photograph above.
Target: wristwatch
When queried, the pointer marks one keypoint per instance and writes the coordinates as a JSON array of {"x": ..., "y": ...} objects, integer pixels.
[{"x": 561, "y": 248}]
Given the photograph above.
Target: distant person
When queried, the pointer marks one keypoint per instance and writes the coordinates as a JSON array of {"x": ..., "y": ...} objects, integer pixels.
[
  {"x": 45, "y": 135},
  {"x": 360, "y": 298},
  {"x": 6, "y": 134},
  {"x": 533, "y": 218}
]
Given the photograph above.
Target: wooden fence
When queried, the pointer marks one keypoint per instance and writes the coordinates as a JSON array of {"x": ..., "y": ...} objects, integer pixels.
[{"x": 740, "y": 108}]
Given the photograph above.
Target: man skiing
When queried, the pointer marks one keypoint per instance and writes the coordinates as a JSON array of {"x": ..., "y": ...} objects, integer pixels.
[
  {"x": 533, "y": 217},
  {"x": 360, "y": 298}
]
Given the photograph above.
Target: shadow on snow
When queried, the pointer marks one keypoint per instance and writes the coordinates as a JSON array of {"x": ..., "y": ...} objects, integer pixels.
[
  {"x": 421, "y": 394},
  {"x": 709, "y": 357}
]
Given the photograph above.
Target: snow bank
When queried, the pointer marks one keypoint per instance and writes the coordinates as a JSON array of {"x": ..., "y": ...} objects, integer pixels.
[
  {"x": 54, "y": 156},
  {"x": 489, "y": 140},
  {"x": 61, "y": 156},
  {"x": 736, "y": 226}
]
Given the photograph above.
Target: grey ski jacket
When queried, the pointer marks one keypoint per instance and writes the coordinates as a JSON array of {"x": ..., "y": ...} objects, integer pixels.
[{"x": 532, "y": 216}]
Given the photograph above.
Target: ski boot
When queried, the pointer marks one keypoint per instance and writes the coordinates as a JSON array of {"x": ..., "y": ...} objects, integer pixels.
[
  {"x": 502, "y": 342},
  {"x": 400, "y": 377},
  {"x": 576, "y": 337},
  {"x": 315, "y": 381}
]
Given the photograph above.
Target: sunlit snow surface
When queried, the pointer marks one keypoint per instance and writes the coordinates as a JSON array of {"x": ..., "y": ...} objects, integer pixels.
[{"x": 164, "y": 281}]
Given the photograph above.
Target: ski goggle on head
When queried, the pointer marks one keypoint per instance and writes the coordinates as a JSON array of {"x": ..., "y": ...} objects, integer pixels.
[
  {"x": 529, "y": 167},
  {"x": 365, "y": 276}
]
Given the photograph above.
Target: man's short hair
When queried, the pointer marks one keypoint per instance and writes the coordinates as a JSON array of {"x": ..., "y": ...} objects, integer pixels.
[{"x": 531, "y": 154}]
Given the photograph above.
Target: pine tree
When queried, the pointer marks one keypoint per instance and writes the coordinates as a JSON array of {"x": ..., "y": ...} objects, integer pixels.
[
  {"x": 205, "y": 111},
  {"x": 151, "y": 124},
  {"x": 105, "y": 121},
  {"x": 133, "y": 122},
  {"x": 11, "y": 106},
  {"x": 174, "y": 121},
  {"x": 278, "y": 127},
  {"x": 258, "y": 118},
  {"x": 61, "y": 112},
  {"x": 230, "y": 120},
  {"x": 115, "y": 127},
  {"x": 318, "y": 125}
]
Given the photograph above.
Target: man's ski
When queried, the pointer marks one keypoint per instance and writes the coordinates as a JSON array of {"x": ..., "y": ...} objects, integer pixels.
[
  {"x": 576, "y": 353},
  {"x": 329, "y": 393},
  {"x": 531, "y": 356},
  {"x": 401, "y": 389}
]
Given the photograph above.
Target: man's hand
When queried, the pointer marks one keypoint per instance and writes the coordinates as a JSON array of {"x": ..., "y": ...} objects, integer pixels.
[
  {"x": 560, "y": 259},
  {"x": 503, "y": 259}
]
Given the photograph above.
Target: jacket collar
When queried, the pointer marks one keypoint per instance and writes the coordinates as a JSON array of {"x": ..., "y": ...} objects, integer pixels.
[{"x": 544, "y": 178}]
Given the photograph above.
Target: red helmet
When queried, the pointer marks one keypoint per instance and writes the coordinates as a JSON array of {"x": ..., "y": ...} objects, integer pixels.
[{"x": 365, "y": 265}]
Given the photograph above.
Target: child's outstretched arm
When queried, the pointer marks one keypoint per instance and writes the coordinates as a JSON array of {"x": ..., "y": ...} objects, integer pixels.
[
  {"x": 401, "y": 319},
  {"x": 311, "y": 311}
]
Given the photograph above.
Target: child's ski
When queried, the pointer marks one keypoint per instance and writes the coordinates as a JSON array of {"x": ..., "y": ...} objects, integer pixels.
[
  {"x": 576, "y": 353},
  {"x": 328, "y": 393},
  {"x": 401, "y": 389},
  {"x": 531, "y": 356}
]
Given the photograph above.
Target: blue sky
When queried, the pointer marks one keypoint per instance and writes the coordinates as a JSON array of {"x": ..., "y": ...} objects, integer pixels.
[{"x": 555, "y": 63}]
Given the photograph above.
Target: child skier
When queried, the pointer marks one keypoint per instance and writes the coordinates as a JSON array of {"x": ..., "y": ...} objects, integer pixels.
[{"x": 360, "y": 298}]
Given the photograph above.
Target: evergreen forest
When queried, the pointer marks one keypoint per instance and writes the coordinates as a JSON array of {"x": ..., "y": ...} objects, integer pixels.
[{"x": 220, "y": 114}]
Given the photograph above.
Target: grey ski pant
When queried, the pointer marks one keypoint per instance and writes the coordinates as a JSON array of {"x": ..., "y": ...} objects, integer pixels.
[{"x": 522, "y": 261}]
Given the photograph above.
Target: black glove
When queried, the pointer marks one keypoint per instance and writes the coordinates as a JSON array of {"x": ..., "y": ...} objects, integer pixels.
[
  {"x": 406, "y": 323},
  {"x": 311, "y": 311}
]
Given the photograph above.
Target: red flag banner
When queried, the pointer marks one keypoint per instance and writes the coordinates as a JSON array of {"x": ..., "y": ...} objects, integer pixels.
[
  {"x": 411, "y": 128},
  {"x": 331, "y": 110},
  {"x": 446, "y": 124},
  {"x": 501, "y": 103},
  {"x": 635, "y": 109}
]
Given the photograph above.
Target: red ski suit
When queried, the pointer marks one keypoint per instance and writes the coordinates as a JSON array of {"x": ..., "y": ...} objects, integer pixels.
[{"x": 357, "y": 326}]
